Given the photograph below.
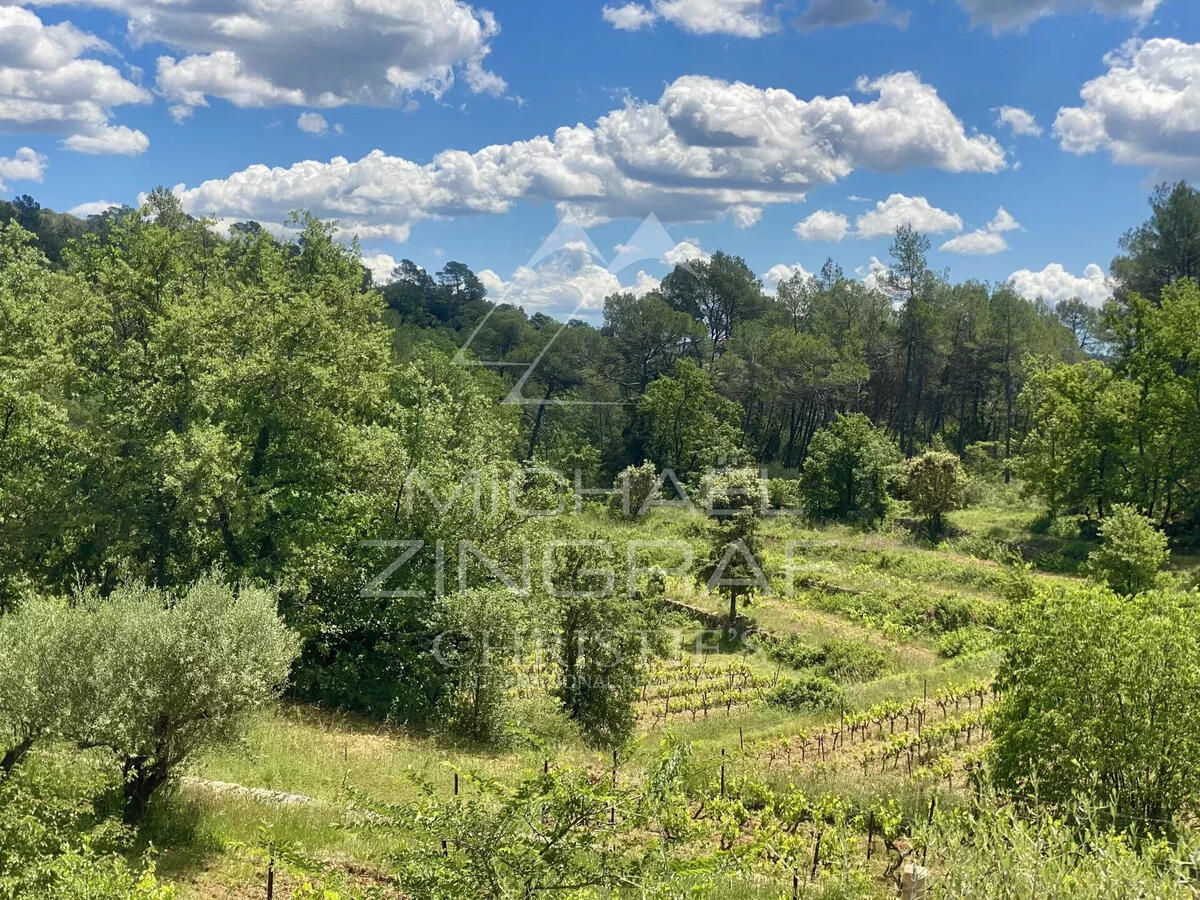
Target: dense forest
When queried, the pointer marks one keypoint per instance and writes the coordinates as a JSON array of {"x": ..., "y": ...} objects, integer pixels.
[{"x": 214, "y": 448}]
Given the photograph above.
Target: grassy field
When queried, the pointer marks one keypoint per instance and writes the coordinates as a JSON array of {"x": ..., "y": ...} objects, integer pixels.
[{"x": 299, "y": 769}]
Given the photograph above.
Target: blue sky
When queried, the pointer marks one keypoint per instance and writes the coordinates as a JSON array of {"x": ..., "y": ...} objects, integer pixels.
[{"x": 731, "y": 120}]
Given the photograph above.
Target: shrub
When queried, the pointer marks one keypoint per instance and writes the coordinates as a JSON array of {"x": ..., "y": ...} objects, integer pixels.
[
  {"x": 811, "y": 692},
  {"x": 1131, "y": 554},
  {"x": 1065, "y": 527},
  {"x": 476, "y": 643},
  {"x": 847, "y": 473},
  {"x": 784, "y": 493},
  {"x": 964, "y": 642},
  {"x": 52, "y": 847},
  {"x": 635, "y": 485},
  {"x": 935, "y": 485},
  {"x": 846, "y": 660},
  {"x": 838, "y": 659},
  {"x": 1102, "y": 703}
]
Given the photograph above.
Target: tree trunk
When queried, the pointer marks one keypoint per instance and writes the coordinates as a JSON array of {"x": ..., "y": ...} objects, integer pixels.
[
  {"x": 142, "y": 779},
  {"x": 13, "y": 757}
]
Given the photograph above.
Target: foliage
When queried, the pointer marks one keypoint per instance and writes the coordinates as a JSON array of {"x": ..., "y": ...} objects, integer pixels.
[
  {"x": 935, "y": 484},
  {"x": 1099, "y": 703},
  {"x": 839, "y": 659},
  {"x": 805, "y": 693},
  {"x": 53, "y": 846},
  {"x": 848, "y": 471},
  {"x": 36, "y": 696},
  {"x": 603, "y": 633},
  {"x": 636, "y": 486},
  {"x": 685, "y": 424},
  {"x": 1163, "y": 249},
  {"x": 999, "y": 855},
  {"x": 1100, "y": 436},
  {"x": 477, "y": 642},
  {"x": 168, "y": 677},
  {"x": 545, "y": 835},
  {"x": 1131, "y": 554},
  {"x": 732, "y": 565}
]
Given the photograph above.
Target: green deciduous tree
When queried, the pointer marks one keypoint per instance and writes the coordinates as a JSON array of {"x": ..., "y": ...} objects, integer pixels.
[
  {"x": 1099, "y": 704},
  {"x": 1132, "y": 552},
  {"x": 848, "y": 471},
  {"x": 685, "y": 424}
]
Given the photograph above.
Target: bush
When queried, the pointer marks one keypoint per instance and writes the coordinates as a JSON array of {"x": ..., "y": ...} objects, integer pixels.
[
  {"x": 476, "y": 642},
  {"x": 1101, "y": 703},
  {"x": 1065, "y": 527},
  {"x": 964, "y": 642},
  {"x": 811, "y": 692},
  {"x": 847, "y": 473},
  {"x": 852, "y": 661},
  {"x": 1131, "y": 554},
  {"x": 935, "y": 485},
  {"x": 838, "y": 659},
  {"x": 784, "y": 493},
  {"x": 635, "y": 485},
  {"x": 53, "y": 847}
]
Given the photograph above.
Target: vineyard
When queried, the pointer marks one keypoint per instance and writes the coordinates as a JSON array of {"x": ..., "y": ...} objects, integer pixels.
[{"x": 834, "y": 747}]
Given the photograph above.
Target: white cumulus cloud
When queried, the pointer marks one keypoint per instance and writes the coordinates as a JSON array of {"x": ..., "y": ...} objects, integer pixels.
[
  {"x": 823, "y": 225},
  {"x": 1020, "y": 122},
  {"x": 46, "y": 85},
  {"x": 1055, "y": 283},
  {"x": 706, "y": 149},
  {"x": 986, "y": 241},
  {"x": 630, "y": 17},
  {"x": 739, "y": 18},
  {"x": 1145, "y": 111},
  {"x": 899, "y": 209},
  {"x": 874, "y": 274},
  {"x": 780, "y": 273},
  {"x": 24, "y": 165},
  {"x": 380, "y": 266},
  {"x": 569, "y": 283},
  {"x": 91, "y": 208},
  {"x": 320, "y": 53},
  {"x": 313, "y": 123}
]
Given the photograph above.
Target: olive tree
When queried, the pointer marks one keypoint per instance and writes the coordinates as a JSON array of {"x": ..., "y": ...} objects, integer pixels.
[
  {"x": 171, "y": 676},
  {"x": 35, "y": 697},
  {"x": 1101, "y": 703},
  {"x": 935, "y": 481},
  {"x": 1131, "y": 553}
]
